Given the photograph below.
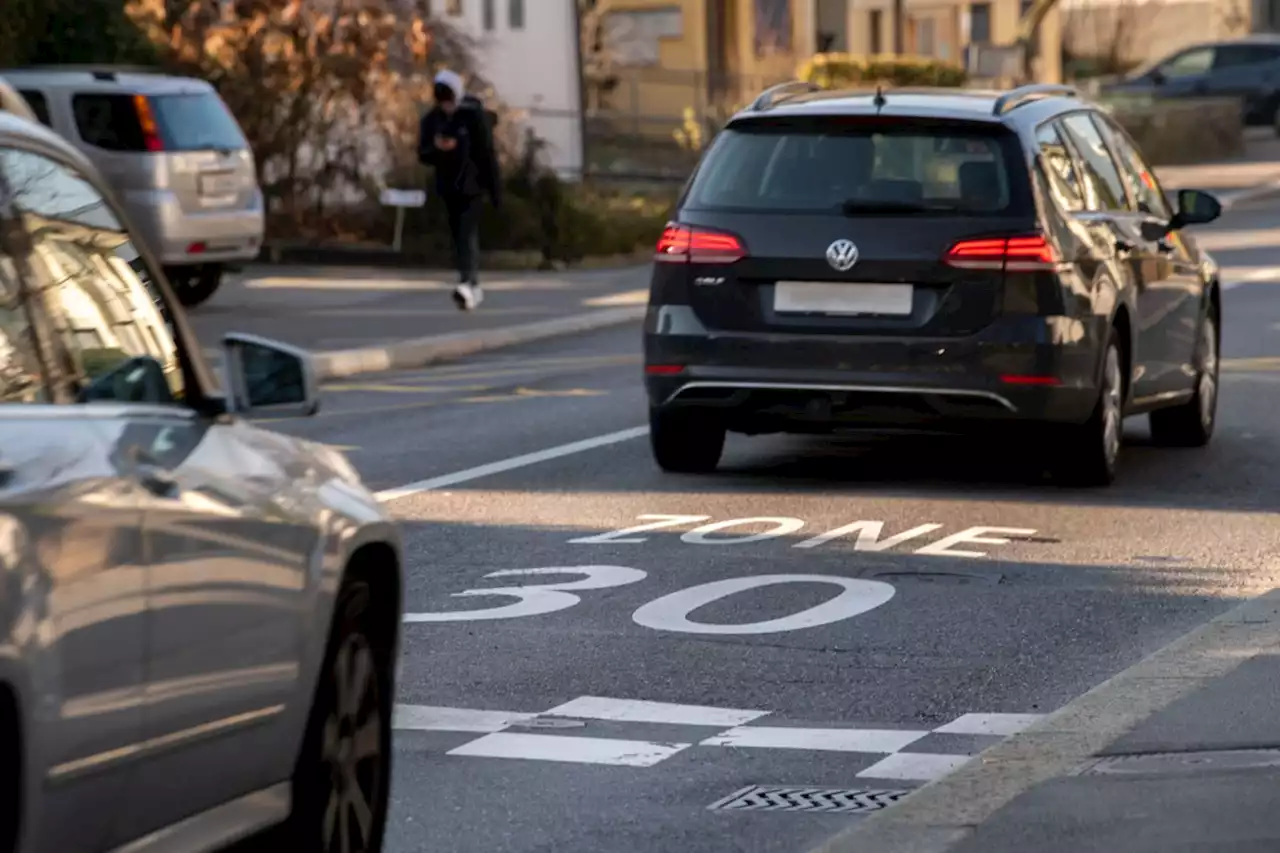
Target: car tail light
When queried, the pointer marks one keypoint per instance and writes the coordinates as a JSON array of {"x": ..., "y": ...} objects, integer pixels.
[
  {"x": 1018, "y": 254},
  {"x": 680, "y": 244},
  {"x": 147, "y": 121}
]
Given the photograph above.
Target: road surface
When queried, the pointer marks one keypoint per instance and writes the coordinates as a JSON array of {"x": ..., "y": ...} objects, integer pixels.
[{"x": 850, "y": 618}]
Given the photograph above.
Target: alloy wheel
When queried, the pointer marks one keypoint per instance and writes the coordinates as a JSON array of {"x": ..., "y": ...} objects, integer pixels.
[
  {"x": 351, "y": 750},
  {"x": 1208, "y": 373},
  {"x": 1112, "y": 406}
]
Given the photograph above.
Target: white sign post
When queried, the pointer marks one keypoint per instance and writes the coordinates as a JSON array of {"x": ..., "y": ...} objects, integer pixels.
[{"x": 401, "y": 199}]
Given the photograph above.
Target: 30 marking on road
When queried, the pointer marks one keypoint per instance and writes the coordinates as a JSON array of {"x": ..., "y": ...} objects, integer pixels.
[{"x": 866, "y": 535}]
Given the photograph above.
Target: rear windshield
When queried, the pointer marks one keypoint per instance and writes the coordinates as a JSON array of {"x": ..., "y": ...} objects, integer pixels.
[
  {"x": 851, "y": 168},
  {"x": 195, "y": 122}
]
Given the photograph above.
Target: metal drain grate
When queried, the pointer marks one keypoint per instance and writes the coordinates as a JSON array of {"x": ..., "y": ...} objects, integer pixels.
[{"x": 772, "y": 798}]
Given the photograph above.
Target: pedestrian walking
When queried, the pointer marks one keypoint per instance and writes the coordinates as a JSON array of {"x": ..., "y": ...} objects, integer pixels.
[{"x": 455, "y": 139}]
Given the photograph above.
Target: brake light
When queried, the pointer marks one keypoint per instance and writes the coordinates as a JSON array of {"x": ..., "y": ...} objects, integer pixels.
[
  {"x": 1019, "y": 254},
  {"x": 680, "y": 244},
  {"x": 147, "y": 121}
]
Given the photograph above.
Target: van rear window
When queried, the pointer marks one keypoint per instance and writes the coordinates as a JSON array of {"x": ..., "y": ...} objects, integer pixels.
[
  {"x": 877, "y": 169},
  {"x": 184, "y": 122}
]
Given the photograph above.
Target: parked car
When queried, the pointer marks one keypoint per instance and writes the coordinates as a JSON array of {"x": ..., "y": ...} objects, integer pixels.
[
  {"x": 1247, "y": 68},
  {"x": 931, "y": 260},
  {"x": 199, "y": 618},
  {"x": 174, "y": 155}
]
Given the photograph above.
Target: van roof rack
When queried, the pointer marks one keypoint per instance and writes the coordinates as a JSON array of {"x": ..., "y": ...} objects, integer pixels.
[
  {"x": 773, "y": 94},
  {"x": 1033, "y": 92},
  {"x": 99, "y": 71}
]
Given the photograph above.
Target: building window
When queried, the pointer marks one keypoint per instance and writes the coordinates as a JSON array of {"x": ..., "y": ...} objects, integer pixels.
[
  {"x": 773, "y": 26},
  {"x": 515, "y": 14},
  {"x": 487, "y": 13},
  {"x": 453, "y": 8},
  {"x": 980, "y": 23},
  {"x": 832, "y": 26},
  {"x": 875, "y": 27}
]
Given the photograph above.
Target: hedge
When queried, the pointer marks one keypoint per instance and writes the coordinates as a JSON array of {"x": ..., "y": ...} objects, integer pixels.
[{"x": 837, "y": 70}]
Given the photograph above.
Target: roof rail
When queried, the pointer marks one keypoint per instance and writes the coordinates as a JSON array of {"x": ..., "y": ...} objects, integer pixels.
[
  {"x": 1033, "y": 92},
  {"x": 12, "y": 102},
  {"x": 775, "y": 93},
  {"x": 103, "y": 71}
]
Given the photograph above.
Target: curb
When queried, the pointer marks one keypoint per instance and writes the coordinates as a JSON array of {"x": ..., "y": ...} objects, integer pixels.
[
  {"x": 939, "y": 815},
  {"x": 421, "y": 352}
]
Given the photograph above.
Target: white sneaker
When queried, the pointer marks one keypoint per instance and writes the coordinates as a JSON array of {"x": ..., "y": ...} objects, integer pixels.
[
  {"x": 464, "y": 297},
  {"x": 477, "y": 295}
]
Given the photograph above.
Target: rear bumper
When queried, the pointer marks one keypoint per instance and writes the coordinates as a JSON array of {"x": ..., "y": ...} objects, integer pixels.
[
  {"x": 217, "y": 236},
  {"x": 1017, "y": 370}
]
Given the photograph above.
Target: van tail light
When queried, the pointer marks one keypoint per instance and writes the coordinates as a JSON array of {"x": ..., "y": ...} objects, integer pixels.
[
  {"x": 147, "y": 121},
  {"x": 1025, "y": 253},
  {"x": 680, "y": 244}
]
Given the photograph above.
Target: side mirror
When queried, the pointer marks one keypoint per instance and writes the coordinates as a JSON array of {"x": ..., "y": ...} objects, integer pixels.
[
  {"x": 268, "y": 377},
  {"x": 1195, "y": 207}
]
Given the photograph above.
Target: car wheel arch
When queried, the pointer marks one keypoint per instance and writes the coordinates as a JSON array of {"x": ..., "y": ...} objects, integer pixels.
[{"x": 1122, "y": 323}]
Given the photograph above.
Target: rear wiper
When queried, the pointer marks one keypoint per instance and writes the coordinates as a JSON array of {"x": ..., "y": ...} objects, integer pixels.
[{"x": 854, "y": 206}]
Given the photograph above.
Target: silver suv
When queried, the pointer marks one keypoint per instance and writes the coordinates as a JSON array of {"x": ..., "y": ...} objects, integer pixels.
[
  {"x": 174, "y": 155},
  {"x": 199, "y": 618}
]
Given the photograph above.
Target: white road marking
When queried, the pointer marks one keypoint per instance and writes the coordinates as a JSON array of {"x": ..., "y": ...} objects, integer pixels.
[
  {"x": 671, "y": 611},
  {"x": 781, "y": 527},
  {"x": 511, "y": 464},
  {"x": 884, "y": 741},
  {"x": 914, "y": 767},
  {"x": 575, "y": 750},
  {"x": 434, "y": 718},
  {"x": 989, "y": 724},
  {"x": 868, "y": 536},
  {"x": 975, "y": 536},
  {"x": 644, "y": 711},
  {"x": 535, "y": 599},
  {"x": 625, "y": 534}
]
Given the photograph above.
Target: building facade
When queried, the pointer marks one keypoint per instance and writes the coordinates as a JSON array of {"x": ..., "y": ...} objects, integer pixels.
[{"x": 528, "y": 51}]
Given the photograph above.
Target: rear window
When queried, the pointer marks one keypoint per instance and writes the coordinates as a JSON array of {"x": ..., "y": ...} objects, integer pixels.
[
  {"x": 197, "y": 122},
  {"x": 185, "y": 122},
  {"x": 876, "y": 169}
]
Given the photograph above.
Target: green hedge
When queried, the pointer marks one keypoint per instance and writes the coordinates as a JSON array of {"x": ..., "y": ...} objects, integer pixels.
[{"x": 836, "y": 70}]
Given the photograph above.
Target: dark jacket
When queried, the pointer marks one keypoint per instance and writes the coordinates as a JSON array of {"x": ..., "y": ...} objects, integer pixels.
[{"x": 469, "y": 170}]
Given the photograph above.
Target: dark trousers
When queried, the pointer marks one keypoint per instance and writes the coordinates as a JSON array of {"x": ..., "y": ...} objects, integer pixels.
[{"x": 464, "y": 228}]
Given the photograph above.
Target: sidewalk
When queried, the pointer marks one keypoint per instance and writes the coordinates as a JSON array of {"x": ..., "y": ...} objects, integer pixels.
[
  {"x": 1179, "y": 753},
  {"x": 361, "y": 320},
  {"x": 1255, "y": 173}
]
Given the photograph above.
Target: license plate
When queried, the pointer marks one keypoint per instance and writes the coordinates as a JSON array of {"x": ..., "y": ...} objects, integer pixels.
[
  {"x": 218, "y": 185},
  {"x": 816, "y": 297}
]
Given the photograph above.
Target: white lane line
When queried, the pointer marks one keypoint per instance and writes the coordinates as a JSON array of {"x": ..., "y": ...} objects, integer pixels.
[
  {"x": 643, "y": 711},
  {"x": 511, "y": 464},
  {"x": 432, "y": 718},
  {"x": 826, "y": 740},
  {"x": 989, "y": 724},
  {"x": 575, "y": 750},
  {"x": 914, "y": 767}
]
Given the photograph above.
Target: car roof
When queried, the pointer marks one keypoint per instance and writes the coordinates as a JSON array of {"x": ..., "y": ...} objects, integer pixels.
[
  {"x": 106, "y": 79},
  {"x": 940, "y": 103}
]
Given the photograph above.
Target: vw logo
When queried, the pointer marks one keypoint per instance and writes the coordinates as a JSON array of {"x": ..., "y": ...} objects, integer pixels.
[{"x": 842, "y": 255}]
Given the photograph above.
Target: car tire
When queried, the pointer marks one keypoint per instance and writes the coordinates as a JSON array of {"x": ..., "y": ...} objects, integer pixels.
[
  {"x": 195, "y": 285},
  {"x": 1191, "y": 424},
  {"x": 1088, "y": 453},
  {"x": 342, "y": 779},
  {"x": 685, "y": 441}
]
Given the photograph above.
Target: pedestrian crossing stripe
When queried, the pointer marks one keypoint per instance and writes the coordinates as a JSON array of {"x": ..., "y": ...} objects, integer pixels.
[{"x": 906, "y": 754}]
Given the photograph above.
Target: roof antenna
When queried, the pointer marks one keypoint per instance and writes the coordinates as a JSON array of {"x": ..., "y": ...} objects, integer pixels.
[{"x": 878, "y": 100}]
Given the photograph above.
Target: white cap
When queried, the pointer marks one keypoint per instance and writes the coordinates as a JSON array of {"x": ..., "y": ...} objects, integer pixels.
[{"x": 453, "y": 81}]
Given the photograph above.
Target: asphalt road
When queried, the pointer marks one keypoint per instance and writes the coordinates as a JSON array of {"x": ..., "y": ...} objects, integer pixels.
[{"x": 605, "y": 707}]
